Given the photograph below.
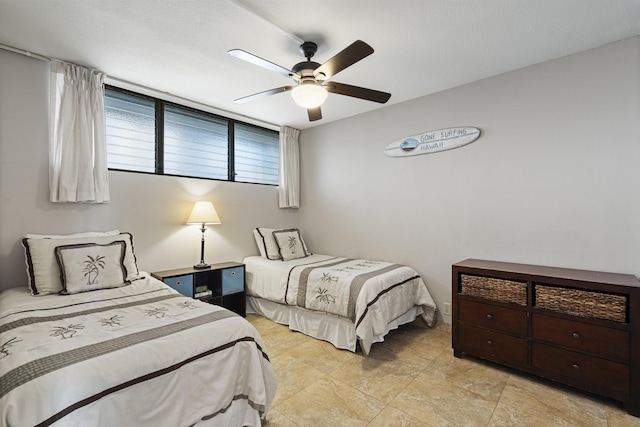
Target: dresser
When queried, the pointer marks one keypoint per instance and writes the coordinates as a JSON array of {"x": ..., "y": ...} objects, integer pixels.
[{"x": 575, "y": 327}]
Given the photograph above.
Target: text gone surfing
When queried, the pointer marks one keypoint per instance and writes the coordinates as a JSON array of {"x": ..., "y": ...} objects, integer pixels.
[{"x": 432, "y": 142}]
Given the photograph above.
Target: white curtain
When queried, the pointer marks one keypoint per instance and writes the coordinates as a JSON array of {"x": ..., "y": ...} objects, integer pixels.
[
  {"x": 289, "y": 185},
  {"x": 77, "y": 148}
]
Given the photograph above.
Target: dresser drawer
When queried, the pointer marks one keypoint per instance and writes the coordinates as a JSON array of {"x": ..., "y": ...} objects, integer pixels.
[
  {"x": 492, "y": 317},
  {"x": 582, "y": 336},
  {"x": 182, "y": 284},
  {"x": 586, "y": 369},
  {"x": 492, "y": 345}
]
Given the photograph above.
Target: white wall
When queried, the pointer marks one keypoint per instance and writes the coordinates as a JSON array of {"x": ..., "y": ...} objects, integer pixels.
[
  {"x": 153, "y": 208},
  {"x": 554, "y": 178}
]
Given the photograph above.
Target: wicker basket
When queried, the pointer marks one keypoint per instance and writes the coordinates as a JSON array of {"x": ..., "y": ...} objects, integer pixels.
[
  {"x": 581, "y": 303},
  {"x": 495, "y": 289}
]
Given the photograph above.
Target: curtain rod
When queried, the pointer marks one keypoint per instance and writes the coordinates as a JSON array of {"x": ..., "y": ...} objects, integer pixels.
[
  {"x": 25, "y": 53},
  {"x": 126, "y": 82}
]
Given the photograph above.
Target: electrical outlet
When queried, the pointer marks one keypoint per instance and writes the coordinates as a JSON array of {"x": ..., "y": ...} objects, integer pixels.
[{"x": 446, "y": 308}]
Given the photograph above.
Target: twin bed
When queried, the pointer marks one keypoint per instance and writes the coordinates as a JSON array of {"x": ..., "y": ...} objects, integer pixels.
[
  {"x": 348, "y": 302},
  {"x": 132, "y": 351},
  {"x": 95, "y": 341}
]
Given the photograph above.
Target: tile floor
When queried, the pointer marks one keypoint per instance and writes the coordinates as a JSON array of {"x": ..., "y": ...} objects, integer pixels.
[{"x": 412, "y": 379}]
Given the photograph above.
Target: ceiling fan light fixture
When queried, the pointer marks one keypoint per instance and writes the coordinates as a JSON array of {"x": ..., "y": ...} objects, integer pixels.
[
  {"x": 309, "y": 94},
  {"x": 310, "y": 77}
]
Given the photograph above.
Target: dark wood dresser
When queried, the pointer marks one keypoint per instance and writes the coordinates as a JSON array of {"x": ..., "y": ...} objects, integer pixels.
[{"x": 576, "y": 327}]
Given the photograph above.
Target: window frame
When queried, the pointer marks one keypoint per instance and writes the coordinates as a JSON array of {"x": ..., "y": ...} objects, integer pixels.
[{"x": 159, "y": 106}]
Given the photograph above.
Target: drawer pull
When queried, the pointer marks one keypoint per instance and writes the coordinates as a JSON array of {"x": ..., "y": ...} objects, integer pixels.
[
  {"x": 490, "y": 316},
  {"x": 576, "y": 366},
  {"x": 489, "y": 342},
  {"x": 233, "y": 273},
  {"x": 178, "y": 283},
  {"x": 575, "y": 335}
]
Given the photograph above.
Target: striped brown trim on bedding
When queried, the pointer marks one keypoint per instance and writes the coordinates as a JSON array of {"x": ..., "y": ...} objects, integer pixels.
[
  {"x": 39, "y": 367},
  {"x": 152, "y": 375},
  {"x": 82, "y": 303},
  {"x": 32, "y": 286},
  {"x": 354, "y": 287},
  {"x": 366, "y": 310},
  {"x": 286, "y": 291},
  {"x": 304, "y": 278},
  {"x": 358, "y": 283},
  {"x": 31, "y": 320}
]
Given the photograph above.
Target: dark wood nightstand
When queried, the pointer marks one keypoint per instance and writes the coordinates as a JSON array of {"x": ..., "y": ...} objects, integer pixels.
[{"x": 222, "y": 284}]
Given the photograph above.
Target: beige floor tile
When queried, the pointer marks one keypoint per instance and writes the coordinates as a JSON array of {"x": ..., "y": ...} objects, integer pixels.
[
  {"x": 276, "y": 419},
  {"x": 469, "y": 373},
  {"x": 384, "y": 373},
  {"x": 427, "y": 342},
  {"x": 281, "y": 339},
  {"x": 262, "y": 324},
  {"x": 292, "y": 376},
  {"x": 617, "y": 416},
  {"x": 392, "y": 417},
  {"x": 530, "y": 402},
  {"x": 412, "y": 379},
  {"x": 329, "y": 402},
  {"x": 412, "y": 331},
  {"x": 438, "y": 402},
  {"x": 322, "y": 355}
]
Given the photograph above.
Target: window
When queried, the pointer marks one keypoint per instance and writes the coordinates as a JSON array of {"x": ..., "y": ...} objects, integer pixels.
[
  {"x": 195, "y": 144},
  {"x": 146, "y": 134},
  {"x": 257, "y": 157},
  {"x": 131, "y": 139}
]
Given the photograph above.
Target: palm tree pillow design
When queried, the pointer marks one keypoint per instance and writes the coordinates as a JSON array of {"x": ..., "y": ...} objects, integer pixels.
[
  {"x": 290, "y": 244},
  {"x": 90, "y": 266}
]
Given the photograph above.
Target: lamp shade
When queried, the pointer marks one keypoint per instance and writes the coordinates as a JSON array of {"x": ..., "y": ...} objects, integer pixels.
[
  {"x": 309, "y": 94},
  {"x": 203, "y": 213}
]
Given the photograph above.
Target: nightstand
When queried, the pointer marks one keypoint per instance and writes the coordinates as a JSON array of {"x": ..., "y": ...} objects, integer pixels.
[{"x": 222, "y": 284}]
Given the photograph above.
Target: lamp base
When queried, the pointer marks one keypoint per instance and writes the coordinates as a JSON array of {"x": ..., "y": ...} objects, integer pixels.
[{"x": 202, "y": 266}]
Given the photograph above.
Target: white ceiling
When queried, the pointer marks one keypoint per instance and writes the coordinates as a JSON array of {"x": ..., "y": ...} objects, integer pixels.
[{"x": 421, "y": 46}]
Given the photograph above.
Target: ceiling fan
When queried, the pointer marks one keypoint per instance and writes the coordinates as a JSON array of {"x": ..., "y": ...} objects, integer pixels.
[{"x": 312, "y": 79}]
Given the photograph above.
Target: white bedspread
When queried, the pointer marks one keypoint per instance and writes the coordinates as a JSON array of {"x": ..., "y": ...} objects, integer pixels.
[
  {"x": 370, "y": 294},
  {"x": 137, "y": 355}
]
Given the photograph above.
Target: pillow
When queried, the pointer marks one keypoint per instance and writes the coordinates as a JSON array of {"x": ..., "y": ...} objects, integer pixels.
[
  {"x": 90, "y": 266},
  {"x": 259, "y": 242},
  {"x": 266, "y": 243},
  {"x": 42, "y": 268},
  {"x": 290, "y": 244}
]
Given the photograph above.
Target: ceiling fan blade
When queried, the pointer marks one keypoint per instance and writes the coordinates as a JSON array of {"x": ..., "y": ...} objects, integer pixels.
[
  {"x": 358, "y": 92},
  {"x": 256, "y": 60},
  {"x": 314, "y": 114},
  {"x": 263, "y": 94},
  {"x": 347, "y": 57}
]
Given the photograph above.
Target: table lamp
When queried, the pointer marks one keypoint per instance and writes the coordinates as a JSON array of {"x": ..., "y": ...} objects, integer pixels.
[{"x": 203, "y": 213}]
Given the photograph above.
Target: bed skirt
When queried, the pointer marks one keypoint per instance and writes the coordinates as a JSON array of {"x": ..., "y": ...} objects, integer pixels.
[{"x": 339, "y": 331}]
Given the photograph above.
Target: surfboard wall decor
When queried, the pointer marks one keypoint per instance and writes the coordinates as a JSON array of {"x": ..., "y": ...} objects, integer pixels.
[{"x": 432, "y": 142}]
